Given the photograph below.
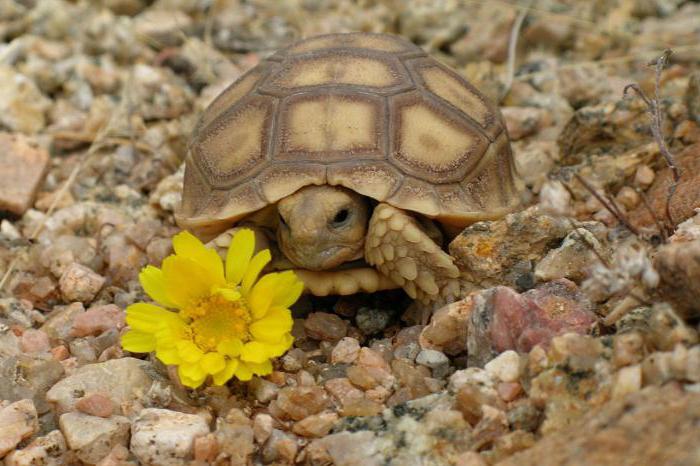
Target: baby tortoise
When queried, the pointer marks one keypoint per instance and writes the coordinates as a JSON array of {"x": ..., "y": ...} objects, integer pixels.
[{"x": 354, "y": 157}]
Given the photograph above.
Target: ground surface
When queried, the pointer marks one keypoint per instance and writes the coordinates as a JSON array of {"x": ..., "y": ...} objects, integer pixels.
[{"x": 578, "y": 343}]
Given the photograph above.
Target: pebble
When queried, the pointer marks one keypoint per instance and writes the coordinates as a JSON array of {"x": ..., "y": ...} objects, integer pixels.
[
  {"x": 325, "y": 326},
  {"x": 505, "y": 367},
  {"x": 316, "y": 425},
  {"x": 345, "y": 351},
  {"x": 124, "y": 380},
  {"x": 371, "y": 321},
  {"x": 79, "y": 283},
  {"x": 628, "y": 380},
  {"x": 281, "y": 448},
  {"x": 299, "y": 402},
  {"x": 206, "y": 448},
  {"x": 262, "y": 427},
  {"x": 644, "y": 176},
  {"x": 98, "y": 319},
  {"x": 509, "y": 391},
  {"x": 263, "y": 390},
  {"x": 23, "y": 166},
  {"x": 29, "y": 376},
  {"x": 49, "y": 450},
  {"x": 91, "y": 437},
  {"x": 95, "y": 404},
  {"x": 572, "y": 259},
  {"x": 165, "y": 437},
  {"x": 34, "y": 341},
  {"x": 18, "y": 421},
  {"x": 447, "y": 331},
  {"x": 234, "y": 434},
  {"x": 22, "y": 105}
]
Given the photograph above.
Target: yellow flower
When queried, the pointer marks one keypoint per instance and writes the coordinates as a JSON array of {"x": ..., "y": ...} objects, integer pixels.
[{"x": 216, "y": 319}]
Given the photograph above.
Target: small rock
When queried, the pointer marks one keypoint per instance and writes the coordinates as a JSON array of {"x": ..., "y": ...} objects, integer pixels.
[
  {"x": 300, "y": 402},
  {"x": 325, "y": 326},
  {"x": 345, "y": 351},
  {"x": 79, "y": 283},
  {"x": 678, "y": 265},
  {"x": 509, "y": 391},
  {"x": 628, "y": 380},
  {"x": 164, "y": 437},
  {"x": 98, "y": 319},
  {"x": 447, "y": 331},
  {"x": 372, "y": 321},
  {"x": 91, "y": 437},
  {"x": 95, "y": 404},
  {"x": 34, "y": 341},
  {"x": 29, "y": 376},
  {"x": 49, "y": 450},
  {"x": 262, "y": 427},
  {"x": 435, "y": 360},
  {"x": 164, "y": 27},
  {"x": 59, "y": 323},
  {"x": 22, "y": 105},
  {"x": 316, "y": 425},
  {"x": 22, "y": 169},
  {"x": 206, "y": 448},
  {"x": 18, "y": 421},
  {"x": 124, "y": 380},
  {"x": 505, "y": 367},
  {"x": 263, "y": 390},
  {"x": 281, "y": 448},
  {"x": 234, "y": 435},
  {"x": 524, "y": 121},
  {"x": 117, "y": 457},
  {"x": 579, "y": 250}
]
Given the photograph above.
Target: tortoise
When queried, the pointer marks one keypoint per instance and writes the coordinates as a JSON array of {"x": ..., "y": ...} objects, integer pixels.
[{"x": 355, "y": 157}]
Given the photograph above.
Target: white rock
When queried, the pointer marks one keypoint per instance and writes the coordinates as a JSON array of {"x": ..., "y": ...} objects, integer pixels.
[
  {"x": 472, "y": 375},
  {"x": 432, "y": 358},
  {"x": 18, "y": 421},
  {"x": 628, "y": 380},
  {"x": 22, "y": 105},
  {"x": 345, "y": 351},
  {"x": 92, "y": 437},
  {"x": 505, "y": 367},
  {"x": 80, "y": 283},
  {"x": 49, "y": 450},
  {"x": 123, "y": 380},
  {"x": 165, "y": 438}
]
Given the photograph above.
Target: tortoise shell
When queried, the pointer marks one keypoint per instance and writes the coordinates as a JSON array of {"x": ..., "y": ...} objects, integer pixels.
[{"x": 370, "y": 112}]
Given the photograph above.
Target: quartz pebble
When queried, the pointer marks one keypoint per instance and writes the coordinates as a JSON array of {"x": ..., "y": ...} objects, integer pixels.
[
  {"x": 345, "y": 351},
  {"x": 49, "y": 450},
  {"x": 316, "y": 425},
  {"x": 299, "y": 402},
  {"x": 34, "y": 341},
  {"x": 504, "y": 367},
  {"x": 98, "y": 319},
  {"x": 18, "y": 421},
  {"x": 79, "y": 283},
  {"x": 91, "y": 437},
  {"x": 95, "y": 404},
  {"x": 161, "y": 436}
]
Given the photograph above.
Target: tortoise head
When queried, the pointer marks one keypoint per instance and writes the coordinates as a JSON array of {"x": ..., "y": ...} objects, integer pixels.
[{"x": 320, "y": 227}]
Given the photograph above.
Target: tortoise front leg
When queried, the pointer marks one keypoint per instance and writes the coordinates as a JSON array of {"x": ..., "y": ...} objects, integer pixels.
[{"x": 401, "y": 249}]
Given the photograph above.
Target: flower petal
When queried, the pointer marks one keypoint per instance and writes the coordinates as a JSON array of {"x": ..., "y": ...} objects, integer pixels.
[
  {"x": 276, "y": 323},
  {"x": 213, "y": 363},
  {"x": 189, "y": 352},
  {"x": 186, "y": 281},
  {"x": 168, "y": 355},
  {"x": 191, "y": 375},
  {"x": 262, "y": 294},
  {"x": 225, "y": 375},
  {"x": 137, "y": 341},
  {"x": 153, "y": 283},
  {"x": 148, "y": 317},
  {"x": 289, "y": 289},
  {"x": 264, "y": 368},
  {"x": 278, "y": 349},
  {"x": 243, "y": 372},
  {"x": 256, "y": 265},
  {"x": 229, "y": 294},
  {"x": 255, "y": 352},
  {"x": 187, "y": 245},
  {"x": 238, "y": 256},
  {"x": 231, "y": 347}
]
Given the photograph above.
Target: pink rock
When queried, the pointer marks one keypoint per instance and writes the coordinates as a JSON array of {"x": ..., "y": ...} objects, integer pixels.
[
  {"x": 22, "y": 169},
  {"x": 98, "y": 319},
  {"x": 34, "y": 341},
  {"x": 60, "y": 352},
  {"x": 508, "y": 391},
  {"x": 95, "y": 404},
  {"x": 18, "y": 421}
]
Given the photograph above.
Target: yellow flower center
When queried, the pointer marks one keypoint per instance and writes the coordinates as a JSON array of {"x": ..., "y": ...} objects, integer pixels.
[{"x": 214, "y": 319}]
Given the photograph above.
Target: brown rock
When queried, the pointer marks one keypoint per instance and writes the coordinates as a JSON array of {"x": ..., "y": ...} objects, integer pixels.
[
  {"x": 678, "y": 265},
  {"x": 685, "y": 199},
  {"x": 95, "y": 404},
  {"x": 447, "y": 331},
  {"x": 22, "y": 169},
  {"x": 652, "y": 427},
  {"x": 300, "y": 402},
  {"x": 98, "y": 319},
  {"x": 325, "y": 326},
  {"x": 316, "y": 425}
]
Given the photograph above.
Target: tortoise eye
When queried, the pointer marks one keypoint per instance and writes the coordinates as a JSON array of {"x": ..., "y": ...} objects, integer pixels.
[{"x": 341, "y": 217}]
